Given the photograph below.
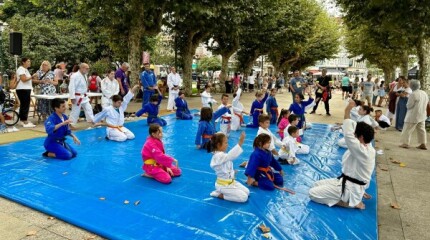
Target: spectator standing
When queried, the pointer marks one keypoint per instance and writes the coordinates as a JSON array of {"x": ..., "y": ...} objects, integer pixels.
[
  {"x": 47, "y": 82},
  {"x": 109, "y": 87},
  {"x": 149, "y": 83},
  {"x": 415, "y": 116},
  {"x": 121, "y": 77},
  {"x": 296, "y": 84},
  {"x": 23, "y": 90},
  {"x": 323, "y": 91},
  {"x": 345, "y": 86},
  {"x": 78, "y": 88}
]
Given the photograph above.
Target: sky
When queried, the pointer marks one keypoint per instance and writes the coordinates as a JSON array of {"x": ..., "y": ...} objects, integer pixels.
[{"x": 330, "y": 6}]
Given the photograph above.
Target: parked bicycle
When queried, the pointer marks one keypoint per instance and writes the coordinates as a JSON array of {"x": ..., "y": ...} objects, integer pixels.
[{"x": 10, "y": 115}]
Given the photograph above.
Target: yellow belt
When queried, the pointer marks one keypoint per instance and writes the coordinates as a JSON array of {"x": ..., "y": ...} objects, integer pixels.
[
  {"x": 150, "y": 162},
  {"x": 224, "y": 182}
]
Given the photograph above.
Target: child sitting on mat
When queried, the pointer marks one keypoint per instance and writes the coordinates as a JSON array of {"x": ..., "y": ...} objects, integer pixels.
[
  {"x": 152, "y": 109},
  {"x": 114, "y": 115},
  {"x": 226, "y": 187},
  {"x": 264, "y": 123},
  {"x": 257, "y": 108},
  {"x": 259, "y": 169},
  {"x": 293, "y": 146},
  {"x": 383, "y": 121},
  {"x": 57, "y": 128},
  {"x": 182, "y": 111},
  {"x": 283, "y": 122},
  {"x": 157, "y": 164},
  {"x": 207, "y": 126},
  {"x": 294, "y": 121}
]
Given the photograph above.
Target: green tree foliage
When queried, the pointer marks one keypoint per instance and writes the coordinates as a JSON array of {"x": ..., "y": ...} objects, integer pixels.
[
  {"x": 191, "y": 21},
  {"x": 126, "y": 23},
  {"x": 404, "y": 21},
  {"x": 209, "y": 64},
  {"x": 52, "y": 40}
]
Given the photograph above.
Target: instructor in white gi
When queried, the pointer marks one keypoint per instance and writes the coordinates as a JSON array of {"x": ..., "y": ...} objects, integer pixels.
[
  {"x": 358, "y": 163},
  {"x": 78, "y": 88},
  {"x": 173, "y": 83}
]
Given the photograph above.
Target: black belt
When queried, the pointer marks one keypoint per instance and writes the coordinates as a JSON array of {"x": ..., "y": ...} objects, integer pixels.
[{"x": 347, "y": 178}]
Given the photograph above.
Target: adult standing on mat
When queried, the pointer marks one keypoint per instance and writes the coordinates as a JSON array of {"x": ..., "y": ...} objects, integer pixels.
[
  {"x": 415, "y": 117},
  {"x": 149, "y": 83},
  {"x": 323, "y": 91},
  {"x": 23, "y": 90},
  {"x": 57, "y": 128},
  {"x": 78, "y": 88},
  {"x": 173, "y": 83},
  {"x": 358, "y": 163}
]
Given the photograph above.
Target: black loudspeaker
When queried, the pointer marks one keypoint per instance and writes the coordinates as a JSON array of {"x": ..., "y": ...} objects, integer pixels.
[{"x": 15, "y": 47}]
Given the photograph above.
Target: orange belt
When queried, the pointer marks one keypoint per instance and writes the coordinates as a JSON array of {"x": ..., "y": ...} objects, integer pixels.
[
  {"x": 116, "y": 127},
  {"x": 226, "y": 118},
  {"x": 276, "y": 110},
  {"x": 207, "y": 136},
  {"x": 266, "y": 170},
  {"x": 240, "y": 117}
]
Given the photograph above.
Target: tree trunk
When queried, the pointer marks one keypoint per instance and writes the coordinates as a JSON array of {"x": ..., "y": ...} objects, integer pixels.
[
  {"x": 404, "y": 66},
  {"x": 224, "y": 71},
  {"x": 423, "y": 52},
  {"x": 389, "y": 75},
  {"x": 134, "y": 55},
  {"x": 187, "y": 60}
]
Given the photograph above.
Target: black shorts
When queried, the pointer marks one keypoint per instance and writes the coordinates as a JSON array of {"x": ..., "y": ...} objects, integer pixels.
[{"x": 345, "y": 89}]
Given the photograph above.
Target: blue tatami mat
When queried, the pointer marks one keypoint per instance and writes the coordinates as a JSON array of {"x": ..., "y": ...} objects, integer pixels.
[{"x": 72, "y": 190}]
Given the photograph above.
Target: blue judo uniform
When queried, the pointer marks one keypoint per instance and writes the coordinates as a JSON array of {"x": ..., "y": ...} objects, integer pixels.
[
  {"x": 299, "y": 110},
  {"x": 272, "y": 108},
  {"x": 55, "y": 142},
  {"x": 207, "y": 129},
  {"x": 258, "y": 168},
  {"x": 148, "y": 79},
  {"x": 182, "y": 111},
  {"x": 152, "y": 110},
  {"x": 255, "y": 113}
]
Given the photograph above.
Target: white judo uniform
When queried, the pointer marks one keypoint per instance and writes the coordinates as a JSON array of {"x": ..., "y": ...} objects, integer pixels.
[
  {"x": 358, "y": 162},
  {"x": 115, "y": 130},
  {"x": 225, "y": 121},
  {"x": 286, "y": 131},
  {"x": 207, "y": 99},
  {"x": 109, "y": 88},
  {"x": 274, "y": 140},
  {"x": 292, "y": 148},
  {"x": 222, "y": 164},
  {"x": 172, "y": 81},
  {"x": 78, "y": 87},
  {"x": 367, "y": 119},
  {"x": 237, "y": 115}
]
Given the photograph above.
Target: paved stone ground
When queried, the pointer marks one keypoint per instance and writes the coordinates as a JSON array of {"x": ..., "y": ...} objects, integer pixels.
[{"x": 407, "y": 186}]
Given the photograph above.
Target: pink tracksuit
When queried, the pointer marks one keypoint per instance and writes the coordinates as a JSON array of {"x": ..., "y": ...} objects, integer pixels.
[{"x": 154, "y": 149}]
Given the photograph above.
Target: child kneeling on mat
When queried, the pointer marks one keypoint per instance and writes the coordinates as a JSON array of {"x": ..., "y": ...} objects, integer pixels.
[
  {"x": 226, "y": 187},
  {"x": 207, "y": 126},
  {"x": 157, "y": 164},
  {"x": 259, "y": 169},
  {"x": 294, "y": 147},
  {"x": 114, "y": 115},
  {"x": 152, "y": 108},
  {"x": 57, "y": 128}
]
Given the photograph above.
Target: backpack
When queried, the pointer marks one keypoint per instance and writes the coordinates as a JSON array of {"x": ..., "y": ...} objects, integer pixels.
[{"x": 93, "y": 84}]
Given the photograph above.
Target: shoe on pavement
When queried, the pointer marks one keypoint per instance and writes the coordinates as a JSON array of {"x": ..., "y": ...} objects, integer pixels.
[
  {"x": 328, "y": 114},
  {"x": 422, "y": 147},
  {"x": 29, "y": 125}
]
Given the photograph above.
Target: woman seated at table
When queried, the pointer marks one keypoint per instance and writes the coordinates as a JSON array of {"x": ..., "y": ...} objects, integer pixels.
[{"x": 47, "y": 82}]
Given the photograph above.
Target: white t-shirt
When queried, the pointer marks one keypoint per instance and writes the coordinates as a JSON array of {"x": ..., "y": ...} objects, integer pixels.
[{"x": 23, "y": 85}]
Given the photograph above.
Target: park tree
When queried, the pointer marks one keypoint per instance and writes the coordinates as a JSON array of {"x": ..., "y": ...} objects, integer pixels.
[
  {"x": 405, "y": 19},
  {"x": 126, "y": 23},
  {"x": 212, "y": 63},
  {"x": 224, "y": 39},
  {"x": 323, "y": 41},
  {"x": 256, "y": 38},
  {"x": 191, "y": 22},
  {"x": 52, "y": 40}
]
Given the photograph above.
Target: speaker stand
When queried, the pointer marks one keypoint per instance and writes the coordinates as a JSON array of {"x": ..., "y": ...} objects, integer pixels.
[{"x": 16, "y": 63}]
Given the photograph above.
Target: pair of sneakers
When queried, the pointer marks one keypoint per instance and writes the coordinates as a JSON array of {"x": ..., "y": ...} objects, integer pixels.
[{"x": 28, "y": 125}]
